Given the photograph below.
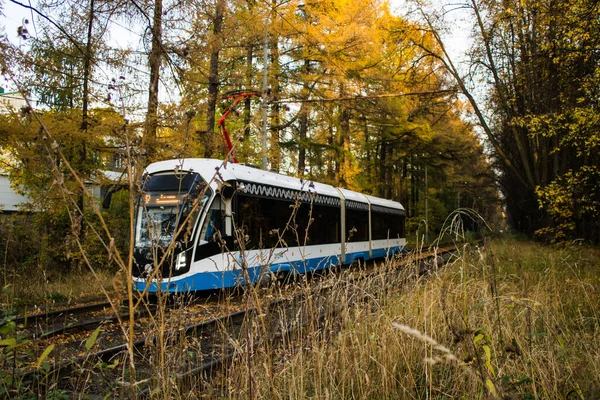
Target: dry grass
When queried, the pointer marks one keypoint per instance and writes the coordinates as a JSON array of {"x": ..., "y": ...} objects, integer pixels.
[
  {"x": 512, "y": 319},
  {"x": 36, "y": 288}
]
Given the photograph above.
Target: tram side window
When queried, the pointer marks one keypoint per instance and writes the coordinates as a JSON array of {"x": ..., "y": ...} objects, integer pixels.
[
  {"x": 396, "y": 225},
  {"x": 379, "y": 226},
  {"x": 325, "y": 228},
  {"x": 387, "y": 226},
  {"x": 252, "y": 222},
  {"x": 400, "y": 224},
  {"x": 357, "y": 225},
  {"x": 261, "y": 221},
  {"x": 213, "y": 223},
  {"x": 295, "y": 234}
]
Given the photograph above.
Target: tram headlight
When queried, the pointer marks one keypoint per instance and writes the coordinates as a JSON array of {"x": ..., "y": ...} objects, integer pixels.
[{"x": 180, "y": 262}]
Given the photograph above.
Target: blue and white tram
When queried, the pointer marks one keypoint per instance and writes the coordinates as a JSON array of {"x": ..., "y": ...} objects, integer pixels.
[{"x": 203, "y": 225}]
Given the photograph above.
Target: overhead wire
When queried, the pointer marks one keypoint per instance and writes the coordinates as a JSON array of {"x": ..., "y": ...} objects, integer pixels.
[
  {"x": 41, "y": 14},
  {"x": 172, "y": 66},
  {"x": 377, "y": 96}
]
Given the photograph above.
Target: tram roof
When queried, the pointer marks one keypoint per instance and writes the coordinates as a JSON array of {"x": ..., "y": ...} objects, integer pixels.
[
  {"x": 207, "y": 168},
  {"x": 365, "y": 198},
  {"x": 384, "y": 202}
]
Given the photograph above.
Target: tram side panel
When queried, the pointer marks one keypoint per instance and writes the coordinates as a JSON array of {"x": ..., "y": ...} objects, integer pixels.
[
  {"x": 268, "y": 235},
  {"x": 274, "y": 235},
  {"x": 387, "y": 231},
  {"x": 357, "y": 232},
  {"x": 297, "y": 236}
]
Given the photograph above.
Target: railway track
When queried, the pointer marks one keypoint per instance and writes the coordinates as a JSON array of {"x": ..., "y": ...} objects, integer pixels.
[
  {"x": 70, "y": 354},
  {"x": 63, "y": 313},
  {"x": 209, "y": 343},
  {"x": 72, "y": 320}
]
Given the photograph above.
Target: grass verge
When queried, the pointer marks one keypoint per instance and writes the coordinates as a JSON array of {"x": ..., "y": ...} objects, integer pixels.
[
  {"x": 511, "y": 319},
  {"x": 36, "y": 288}
]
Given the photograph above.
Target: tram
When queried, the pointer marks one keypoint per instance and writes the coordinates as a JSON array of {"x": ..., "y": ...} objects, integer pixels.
[{"x": 203, "y": 224}]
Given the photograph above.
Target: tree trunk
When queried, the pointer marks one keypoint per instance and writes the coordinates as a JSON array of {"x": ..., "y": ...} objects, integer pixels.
[
  {"x": 382, "y": 174},
  {"x": 343, "y": 139},
  {"x": 303, "y": 129},
  {"x": 331, "y": 158},
  {"x": 87, "y": 67},
  {"x": 155, "y": 61},
  {"x": 213, "y": 79},
  {"x": 275, "y": 148},
  {"x": 248, "y": 100}
]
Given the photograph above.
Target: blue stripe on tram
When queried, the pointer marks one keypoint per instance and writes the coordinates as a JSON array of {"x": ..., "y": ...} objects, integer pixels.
[{"x": 228, "y": 279}]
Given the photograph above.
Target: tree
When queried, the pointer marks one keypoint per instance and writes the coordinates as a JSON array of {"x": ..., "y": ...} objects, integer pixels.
[
  {"x": 155, "y": 60},
  {"x": 538, "y": 60}
]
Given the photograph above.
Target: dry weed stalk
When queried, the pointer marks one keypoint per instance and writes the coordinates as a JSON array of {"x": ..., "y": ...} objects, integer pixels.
[{"x": 447, "y": 355}]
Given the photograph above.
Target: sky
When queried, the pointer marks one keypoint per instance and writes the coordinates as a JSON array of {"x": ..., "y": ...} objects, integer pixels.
[
  {"x": 13, "y": 17},
  {"x": 457, "y": 39}
]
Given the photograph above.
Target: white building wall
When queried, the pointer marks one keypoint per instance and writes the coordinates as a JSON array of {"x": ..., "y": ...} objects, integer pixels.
[
  {"x": 12, "y": 100},
  {"x": 9, "y": 200}
]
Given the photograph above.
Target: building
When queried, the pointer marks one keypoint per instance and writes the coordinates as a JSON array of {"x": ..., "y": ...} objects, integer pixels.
[
  {"x": 11, "y": 101},
  {"x": 109, "y": 179},
  {"x": 9, "y": 200}
]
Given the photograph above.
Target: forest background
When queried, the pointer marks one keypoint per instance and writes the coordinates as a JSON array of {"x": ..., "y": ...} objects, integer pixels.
[{"x": 355, "y": 95}]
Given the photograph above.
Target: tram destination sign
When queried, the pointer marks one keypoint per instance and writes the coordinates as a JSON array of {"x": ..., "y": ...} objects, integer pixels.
[{"x": 161, "y": 199}]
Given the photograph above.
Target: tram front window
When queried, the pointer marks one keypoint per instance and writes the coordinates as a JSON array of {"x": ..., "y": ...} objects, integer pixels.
[
  {"x": 156, "y": 225},
  {"x": 169, "y": 205}
]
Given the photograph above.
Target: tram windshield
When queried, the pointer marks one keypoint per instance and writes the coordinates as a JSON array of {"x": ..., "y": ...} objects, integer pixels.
[{"x": 169, "y": 202}]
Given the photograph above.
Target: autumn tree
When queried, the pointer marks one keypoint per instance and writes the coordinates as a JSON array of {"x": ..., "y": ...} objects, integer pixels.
[
  {"x": 539, "y": 62},
  {"x": 219, "y": 59},
  {"x": 352, "y": 100},
  {"x": 69, "y": 72},
  {"x": 380, "y": 113},
  {"x": 57, "y": 68}
]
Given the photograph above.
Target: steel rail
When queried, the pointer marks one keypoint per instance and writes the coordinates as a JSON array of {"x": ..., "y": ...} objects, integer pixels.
[{"x": 61, "y": 313}]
